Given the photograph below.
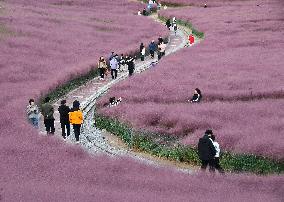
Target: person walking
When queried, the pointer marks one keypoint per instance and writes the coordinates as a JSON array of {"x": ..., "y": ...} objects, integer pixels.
[
  {"x": 33, "y": 113},
  {"x": 160, "y": 40},
  {"x": 161, "y": 50},
  {"x": 102, "y": 66},
  {"x": 152, "y": 49},
  {"x": 142, "y": 51},
  {"x": 174, "y": 24},
  {"x": 113, "y": 67},
  {"x": 64, "y": 118},
  {"x": 197, "y": 96},
  {"x": 76, "y": 119},
  {"x": 47, "y": 112},
  {"x": 168, "y": 24},
  {"x": 130, "y": 64},
  {"x": 111, "y": 56},
  {"x": 206, "y": 151},
  {"x": 121, "y": 62},
  {"x": 217, "y": 155}
]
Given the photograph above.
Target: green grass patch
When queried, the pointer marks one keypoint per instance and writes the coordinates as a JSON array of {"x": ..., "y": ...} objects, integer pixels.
[
  {"x": 230, "y": 162},
  {"x": 74, "y": 83}
]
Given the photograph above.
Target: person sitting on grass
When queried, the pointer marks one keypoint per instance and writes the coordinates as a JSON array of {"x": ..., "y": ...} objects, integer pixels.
[
  {"x": 113, "y": 102},
  {"x": 197, "y": 96}
]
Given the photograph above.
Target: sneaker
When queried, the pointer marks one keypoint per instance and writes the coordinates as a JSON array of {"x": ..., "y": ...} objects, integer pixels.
[{"x": 77, "y": 142}]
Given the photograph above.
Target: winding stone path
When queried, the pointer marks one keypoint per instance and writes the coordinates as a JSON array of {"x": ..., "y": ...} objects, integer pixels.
[{"x": 94, "y": 140}]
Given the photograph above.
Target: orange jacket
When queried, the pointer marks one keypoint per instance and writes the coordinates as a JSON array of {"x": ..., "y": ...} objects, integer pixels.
[{"x": 76, "y": 117}]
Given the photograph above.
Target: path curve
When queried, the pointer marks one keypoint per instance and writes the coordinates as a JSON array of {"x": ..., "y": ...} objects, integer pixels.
[{"x": 94, "y": 140}]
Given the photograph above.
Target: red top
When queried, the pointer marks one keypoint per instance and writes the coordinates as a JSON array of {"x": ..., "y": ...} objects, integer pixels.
[{"x": 191, "y": 39}]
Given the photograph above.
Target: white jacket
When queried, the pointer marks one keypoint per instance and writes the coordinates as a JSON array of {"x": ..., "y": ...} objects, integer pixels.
[
  {"x": 217, "y": 148},
  {"x": 143, "y": 51}
]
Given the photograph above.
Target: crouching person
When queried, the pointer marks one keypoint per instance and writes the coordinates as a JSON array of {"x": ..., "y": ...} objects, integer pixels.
[
  {"x": 76, "y": 119},
  {"x": 114, "y": 102}
]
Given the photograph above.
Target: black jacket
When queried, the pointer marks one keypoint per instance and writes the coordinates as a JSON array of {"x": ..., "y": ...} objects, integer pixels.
[
  {"x": 206, "y": 149},
  {"x": 196, "y": 98},
  {"x": 64, "y": 113},
  {"x": 130, "y": 64}
]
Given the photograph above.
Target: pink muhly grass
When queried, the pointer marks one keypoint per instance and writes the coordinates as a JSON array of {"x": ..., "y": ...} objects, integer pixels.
[{"x": 231, "y": 64}]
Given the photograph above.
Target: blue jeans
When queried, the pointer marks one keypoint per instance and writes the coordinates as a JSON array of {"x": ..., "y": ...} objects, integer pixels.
[{"x": 34, "y": 122}]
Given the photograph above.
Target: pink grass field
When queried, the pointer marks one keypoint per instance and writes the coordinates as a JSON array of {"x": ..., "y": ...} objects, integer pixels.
[
  {"x": 241, "y": 57},
  {"x": 42, "y": 44},
  {"x": 242, "y": 127}
]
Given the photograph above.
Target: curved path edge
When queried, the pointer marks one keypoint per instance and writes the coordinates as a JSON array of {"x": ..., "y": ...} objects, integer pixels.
[{"x": 94, "y": 140}]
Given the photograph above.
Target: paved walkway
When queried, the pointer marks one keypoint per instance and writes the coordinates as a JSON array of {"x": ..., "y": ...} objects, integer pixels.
[{"x": 92, "y": 139}]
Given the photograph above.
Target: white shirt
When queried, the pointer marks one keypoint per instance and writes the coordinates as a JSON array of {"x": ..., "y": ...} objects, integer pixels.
[
  {"x": 143, "y": 51},
  {"x": 217, "y": 148}
]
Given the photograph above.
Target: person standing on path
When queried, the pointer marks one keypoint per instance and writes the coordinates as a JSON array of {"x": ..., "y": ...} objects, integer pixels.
[
  {"x": 130, "y": 64},
  {"x": 121, "y": 63},
  {"x": 152, "y": 49},
  {"x": 174, "y": 24},
  {"x": 76, "y": 119},
  {"x": 64, "y": 118},
  {"x": 217, "y": 155},
  {"x": 168, "y": 24},
  {"x": 142, "y": 51},
  {"x": 160, "y": 40},
  {"x": 206, "y": 151},
  {"x": 102, "y": 66},
  {"x": 47, "y": 112},
  {"x": 113, "y": 67},
  {"x": 191, "y": 39},
  {"x": 33, "y": 113},
  {"x": 161, "y": 50}
]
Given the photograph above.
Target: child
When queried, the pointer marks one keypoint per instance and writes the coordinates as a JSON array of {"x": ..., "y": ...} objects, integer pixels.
[
  {"x": 33, "y": 113},
  {"x": 217, "y": 155}
]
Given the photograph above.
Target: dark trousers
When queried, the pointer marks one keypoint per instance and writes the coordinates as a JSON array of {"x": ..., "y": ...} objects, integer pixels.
[
  {"x": 205, "y": 163},
  {"x": 159, "y": 55},
  {"x": 131, "y": 71},
  {"x": 76, "y": 128},
  {"x": 142, "y": 57},
  {"x": 217, "y": 165},
  {"x": 113, "y": 73},
  {"x": 67, "y": 126},
  {"x": 49, "y": 125},
  {"x": 102, "y": 72},
  {"x": 152, "y": 53}
]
